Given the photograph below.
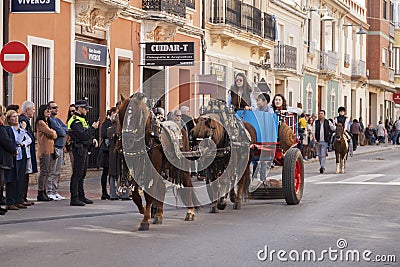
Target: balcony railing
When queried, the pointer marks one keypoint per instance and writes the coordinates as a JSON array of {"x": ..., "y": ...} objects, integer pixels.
[
  {"x": 173, "y": 7},
  {"x": 285, "y": 57},
  {"x": 391, "y": 75},
  {"x": 328, "y": 61},
  {"x": 359, "y": 68},
  {"x": 243, "y": 16}
]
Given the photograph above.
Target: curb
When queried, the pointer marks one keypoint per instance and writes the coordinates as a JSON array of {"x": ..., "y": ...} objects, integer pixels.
[{"x": 386, "y": 148}]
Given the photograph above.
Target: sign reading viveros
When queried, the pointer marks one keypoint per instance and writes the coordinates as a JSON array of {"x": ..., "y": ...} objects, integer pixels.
[{"x": 35, "y": 6}]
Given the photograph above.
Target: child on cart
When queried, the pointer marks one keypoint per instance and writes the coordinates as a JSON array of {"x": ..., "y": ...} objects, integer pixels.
[{"x": 262, "y": 166}]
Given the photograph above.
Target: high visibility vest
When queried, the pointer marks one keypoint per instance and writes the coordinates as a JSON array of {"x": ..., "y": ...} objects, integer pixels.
[{"x": 80, "y": 119}]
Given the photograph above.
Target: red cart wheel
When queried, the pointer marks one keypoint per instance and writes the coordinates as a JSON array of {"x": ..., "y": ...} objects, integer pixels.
[{"x": 293, "y": 176}]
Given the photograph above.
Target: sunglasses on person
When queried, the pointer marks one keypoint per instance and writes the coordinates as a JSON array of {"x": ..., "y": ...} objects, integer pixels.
[
  {"x": 72, "y": 111},
  {"x": 55, "y": 107},
  {"x": 239, "y": 80}
]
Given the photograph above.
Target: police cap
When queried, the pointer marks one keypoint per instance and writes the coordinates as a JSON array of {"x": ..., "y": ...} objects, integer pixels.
[{"x": 82, "y": 103}]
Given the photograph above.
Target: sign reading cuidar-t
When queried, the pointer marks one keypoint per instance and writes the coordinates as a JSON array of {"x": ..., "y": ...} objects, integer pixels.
[{"x": 35, "y": 6}]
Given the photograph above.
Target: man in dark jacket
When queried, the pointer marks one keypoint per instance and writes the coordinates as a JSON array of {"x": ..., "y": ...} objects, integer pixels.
[
  {"x": 82, "y": 137},
  {"x": 28, "y": 111},
  {"x": 321, "y": 131}
]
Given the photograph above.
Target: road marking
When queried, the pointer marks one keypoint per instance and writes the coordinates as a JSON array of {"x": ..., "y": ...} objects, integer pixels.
[
  {"x": 362, "y": 178},
  {"x": 318, "y": 177},
  {"x": 361, "y": 183},
  {"x": 14, "y": 57}
]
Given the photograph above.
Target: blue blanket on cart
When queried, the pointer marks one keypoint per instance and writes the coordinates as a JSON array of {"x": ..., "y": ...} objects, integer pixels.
[{"x": 265, "y": 123}]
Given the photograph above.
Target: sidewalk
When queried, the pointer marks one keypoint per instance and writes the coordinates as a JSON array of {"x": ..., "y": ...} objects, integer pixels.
[{"x": 361, "y": 150}]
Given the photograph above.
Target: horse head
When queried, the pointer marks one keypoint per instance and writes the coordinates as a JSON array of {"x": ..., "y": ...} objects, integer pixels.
[
  {"x": 209, "y": 126},
  {"x": 339, "y": 132}
]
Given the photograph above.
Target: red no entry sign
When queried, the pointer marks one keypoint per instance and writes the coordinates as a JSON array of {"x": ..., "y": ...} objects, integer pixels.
[{"x": 14, "y": 57}]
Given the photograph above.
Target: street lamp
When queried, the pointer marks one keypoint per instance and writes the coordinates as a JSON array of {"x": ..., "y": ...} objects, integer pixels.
[
  {"x": 360, "y": 31},
  {"x": 325, "y": 17}
]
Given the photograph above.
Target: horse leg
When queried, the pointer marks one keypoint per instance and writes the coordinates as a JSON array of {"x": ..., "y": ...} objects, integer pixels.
[
  {"x": 137, "y": 199},
  {"x": 158, "y": 217},
  {"x": 343, "y": 163},
  {"x": 188, "y": 197},
  {"x": 238, "y": 201},
  {"x": 337, "y": 154},
  {"x": 145, "y": 223}
]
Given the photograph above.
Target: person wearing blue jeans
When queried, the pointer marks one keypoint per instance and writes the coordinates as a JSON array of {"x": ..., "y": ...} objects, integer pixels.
[
  {"x": 397, "y": 132},
  {"x": 321, "y": 132}
]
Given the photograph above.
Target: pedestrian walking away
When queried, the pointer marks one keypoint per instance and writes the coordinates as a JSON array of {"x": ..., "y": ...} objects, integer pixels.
[{"x": 82, "y": 137}]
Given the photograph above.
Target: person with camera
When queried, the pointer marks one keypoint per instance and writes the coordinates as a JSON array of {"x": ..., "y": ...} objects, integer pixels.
[
  {"x": 82, "y": 137},
  {"x": 45, "y": 136},
  {"x": 58, "y": 155}
]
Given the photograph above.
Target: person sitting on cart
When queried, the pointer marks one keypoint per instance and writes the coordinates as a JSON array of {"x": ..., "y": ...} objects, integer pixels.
[
  {"x": 279, "y": 104},
  {"x": 263, "y": 103},
  {"x": 240, "y": 95},
  {"x": 344, "y": 120},
  {"x": 262, "y": 166}
]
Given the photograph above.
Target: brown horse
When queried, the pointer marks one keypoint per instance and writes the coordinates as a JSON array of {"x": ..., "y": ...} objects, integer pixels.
[
  {"x": 144, "y": 155},
  {"x": 219, "y": 177},
  {"x": 341, "y": 147}
]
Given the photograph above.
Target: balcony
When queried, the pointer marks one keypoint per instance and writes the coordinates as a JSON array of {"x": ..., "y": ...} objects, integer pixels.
[
  {"x": 328, "y": 61},
  {"x": 358, "y": 70},
  {"x": 391, "y": 75},
  {"x": 285, "y": 57},
  {"x": 226, "y": 17},
  {"x": 173, "y": 7}
]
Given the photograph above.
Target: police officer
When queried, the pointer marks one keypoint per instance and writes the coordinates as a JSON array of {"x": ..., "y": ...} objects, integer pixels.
[{"x": 82, "y": 137}]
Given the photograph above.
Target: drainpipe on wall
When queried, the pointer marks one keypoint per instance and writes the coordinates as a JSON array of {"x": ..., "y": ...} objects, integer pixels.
[{"x": 7, "y": 77}]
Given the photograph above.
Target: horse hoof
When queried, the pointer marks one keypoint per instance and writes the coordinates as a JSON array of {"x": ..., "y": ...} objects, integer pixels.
[
  {"x": 237, "y": 206},
  {"x": 221, "y": 205},
  {"x": 144, "y": 227},
  {"x": 337, "y": 172},
  {"x": 189, "y": 217},
  {"x": 214, "y": 209},
  {"x": 157, "y": 220}
]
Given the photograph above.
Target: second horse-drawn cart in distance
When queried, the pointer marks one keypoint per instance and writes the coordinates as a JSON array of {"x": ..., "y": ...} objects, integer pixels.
[{"x": 277, "y": 139}]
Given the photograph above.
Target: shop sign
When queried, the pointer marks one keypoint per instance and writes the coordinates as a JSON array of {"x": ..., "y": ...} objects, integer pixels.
[
  {"x": 396, "y": 98},
  {"x": 35, "y": 6},
  {"x": 90, "y": 54},
  {"x": 169, "y": 54}
]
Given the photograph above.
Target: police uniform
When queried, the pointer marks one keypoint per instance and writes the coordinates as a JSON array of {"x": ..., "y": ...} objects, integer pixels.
[{"x": 82, "y": 136}]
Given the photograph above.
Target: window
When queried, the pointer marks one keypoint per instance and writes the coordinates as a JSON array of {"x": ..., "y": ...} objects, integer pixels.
[
  {"x": 345, "y": 100},
  {"x": 391, "y": 56},
  {"x": 391, "y": 12},
  {"x": 290, "y": 99},
  {"x": 384, "y": 55},
  {"x": 333, "y": 37},
  {"x": 309, "y": 102},
  {"x": 333, "y": 105},
  {"x": 384, "y": 8},
  {"x": 40, "y": 74}
]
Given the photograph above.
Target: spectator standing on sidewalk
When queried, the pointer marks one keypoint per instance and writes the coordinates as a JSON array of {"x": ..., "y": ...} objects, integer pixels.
[
  {"x": 15, "y": 176},
  {"x": 396, "y": 132},
  {"x": 355, "y": 130},
  {"x": 381, "y": 132},
  {"x": 8, "y": 150},
  {"x": 82, "y": 137},
  {"x": 321, "y": 132},
  {"x": 28, "y": 111},
  {"x": 45, "y": 136},
  {"x": 104, "y": 151},
  {"x": 68, "y": 143},
  {"x": 59, "y": 143}
]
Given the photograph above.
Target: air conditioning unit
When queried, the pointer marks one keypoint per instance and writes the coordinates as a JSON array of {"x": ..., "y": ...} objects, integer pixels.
[{"x": 367, "y": 72}]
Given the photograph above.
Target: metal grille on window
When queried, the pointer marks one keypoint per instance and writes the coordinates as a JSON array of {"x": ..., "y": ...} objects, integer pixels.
[{"x": 40, "y": 77}]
